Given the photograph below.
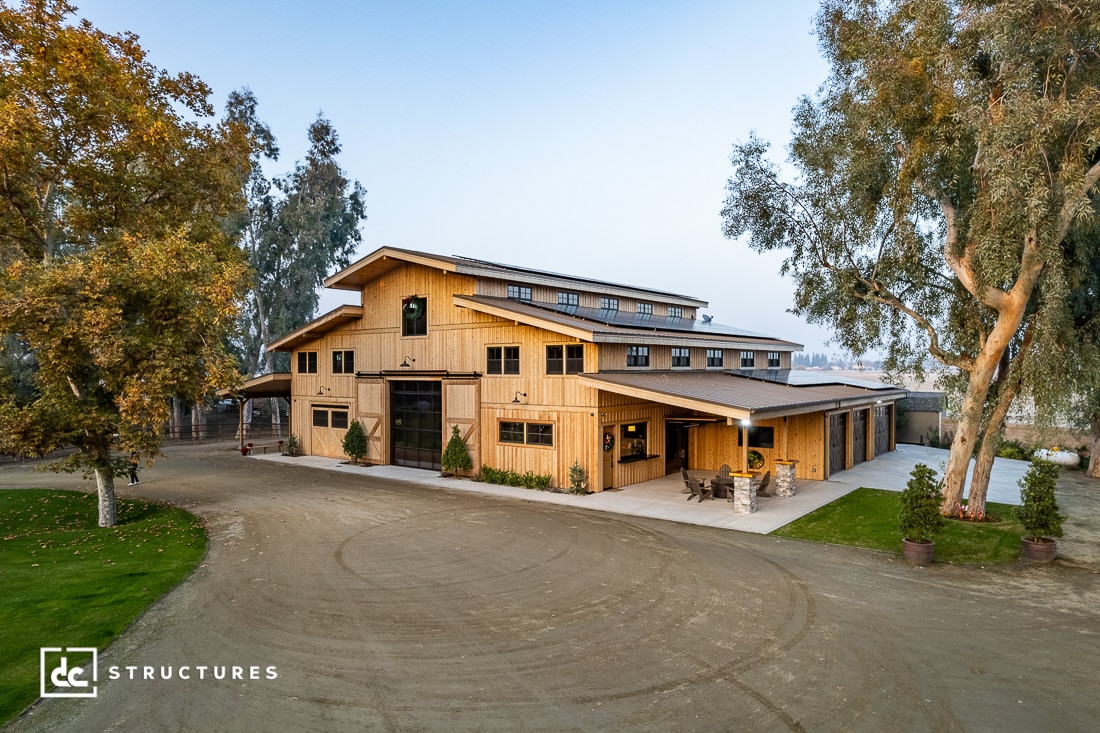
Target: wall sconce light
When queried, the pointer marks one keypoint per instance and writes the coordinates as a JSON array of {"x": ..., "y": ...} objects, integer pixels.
[
  {"x": 324, "y": 390},
  {"x": 405, "y": 363},
  {"x": 515, "y": 400},
  {"x": 746, "y": 422}
]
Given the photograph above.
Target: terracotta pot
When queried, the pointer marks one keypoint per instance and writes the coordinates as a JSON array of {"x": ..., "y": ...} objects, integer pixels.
[
  {"x": 918, "y": 553},
  {"x": 1039, "y": 549}
]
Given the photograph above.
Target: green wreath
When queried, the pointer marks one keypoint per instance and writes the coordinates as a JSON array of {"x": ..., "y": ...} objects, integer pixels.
[
  {"x": 756, "y": 460},
  {"x": 413, "y": 307}
]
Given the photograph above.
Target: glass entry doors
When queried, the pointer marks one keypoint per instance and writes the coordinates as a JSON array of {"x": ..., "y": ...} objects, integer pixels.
[{"x": 416, "y": 424}]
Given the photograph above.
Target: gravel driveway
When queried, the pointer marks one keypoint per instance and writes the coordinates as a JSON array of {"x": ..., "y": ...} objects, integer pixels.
[{"x": 388, "y": 606}]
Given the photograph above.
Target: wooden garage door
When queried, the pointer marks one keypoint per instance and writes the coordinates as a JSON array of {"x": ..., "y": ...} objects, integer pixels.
[
  {"x": 859, "y": 437},
  {"x": 882, "y": 429},
  {"x": 838, "y": 436}
]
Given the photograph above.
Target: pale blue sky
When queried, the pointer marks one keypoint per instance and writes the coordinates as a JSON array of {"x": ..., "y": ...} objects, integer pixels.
[{"x": 589, "y": 138}]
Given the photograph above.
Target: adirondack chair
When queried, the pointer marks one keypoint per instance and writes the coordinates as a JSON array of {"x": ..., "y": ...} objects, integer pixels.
[
  {"x": 724, "y": 482},
  {"x": 762, "y": 487},
  {"x": 697, "y": 487}
]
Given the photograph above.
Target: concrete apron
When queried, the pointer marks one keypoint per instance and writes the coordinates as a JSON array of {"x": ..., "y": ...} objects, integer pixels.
[{"x": 662, "y": 498}]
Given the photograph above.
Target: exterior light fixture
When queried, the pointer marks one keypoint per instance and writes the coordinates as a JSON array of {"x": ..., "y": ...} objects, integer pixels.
[
  {"x": 746, "y": 422},
  {"x": 405, "y": 363},
  {"x": 515, "y": 400},
  {"x": 324, "y": 390}
]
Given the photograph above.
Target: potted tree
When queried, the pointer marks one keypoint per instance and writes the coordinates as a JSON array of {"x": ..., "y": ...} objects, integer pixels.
[
  {"x": 355, "y": 441},
  {"x": 455, "y": 458},
  {"x": 920, "y": 518},
  {"x": 1038, "y": 511}
]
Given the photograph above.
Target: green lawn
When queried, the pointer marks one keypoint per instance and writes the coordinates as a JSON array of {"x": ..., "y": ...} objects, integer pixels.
[
  {"x": 68, "y": 582},
  {"x": 869, "y": 518}
]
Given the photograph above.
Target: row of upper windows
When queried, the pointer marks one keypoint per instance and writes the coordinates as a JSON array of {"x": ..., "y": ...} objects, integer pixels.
[
  {"x": 568, "y": 297},
  {"x": 560, "y": 359}
]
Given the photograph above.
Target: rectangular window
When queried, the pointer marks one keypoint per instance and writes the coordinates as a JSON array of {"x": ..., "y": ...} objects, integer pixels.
[
  {"x": 681, "y": 357},
  {"x": 609, "y": 304},
  {"x": 540, "y": 434},
  {"x": 502, "y": 360},
  {"x": 307, "y": 362},
  {"x": 511, "y": 432},
  {"x": 320, "y": 418},
  {"x": 637, "y": 356},
  {"x": 634, "y": 444},
  {"x": 773, "y": 360},
  {"x": 646, "y": 309},
  {"x": 675, "y": 311},
  {"x": 519, "y": 292},
  {"x": 748, "y": 360},
  {"x": 414, "y": 316},
  {"x": 531, "y": 433},
  {"x": 574, "y": 358},
  {"x": 343, "y": 362},
  {"x": 566, "y": 298},
  {"x": 340, "y": 419},
  {"x": 567, "y": 359},
  {"x": 714, "y": 358}
]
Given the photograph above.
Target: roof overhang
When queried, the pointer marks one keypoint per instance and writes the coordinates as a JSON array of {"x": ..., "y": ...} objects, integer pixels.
[
  {"x": 508, "y": 311},
  {"x": 738, "y": 399},
  {"x": 381, "y": 261},
  {"x": 315, "y": 328},
  {"x": 267, "y": 385}
]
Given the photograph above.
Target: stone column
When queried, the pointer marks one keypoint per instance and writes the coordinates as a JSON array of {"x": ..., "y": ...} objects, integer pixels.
[
  {"x": 784, "y": 478},
  {"x": 744, "y": 492}
]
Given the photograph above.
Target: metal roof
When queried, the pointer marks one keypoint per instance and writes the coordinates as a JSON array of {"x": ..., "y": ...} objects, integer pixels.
[
  {"x": 738, "y": 397},
  {"x": 606, "y": 326}
]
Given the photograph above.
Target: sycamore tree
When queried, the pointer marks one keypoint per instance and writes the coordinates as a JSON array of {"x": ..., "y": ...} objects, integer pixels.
[
  {"x": 119, "y": 283},
  {"x": 940, "y": 168}
]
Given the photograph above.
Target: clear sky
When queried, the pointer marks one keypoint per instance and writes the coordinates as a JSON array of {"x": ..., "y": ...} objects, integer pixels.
[{"x": 590, "y": 138}]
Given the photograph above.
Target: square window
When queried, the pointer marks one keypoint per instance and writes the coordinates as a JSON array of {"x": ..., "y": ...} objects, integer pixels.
[
  {"x": 340, "y": 419},
  {"x": 511, "y": 360},
  {"x": 681, "y": 357},
  {"x": 307, "y": 362},
  {"x": 414, "y": 316},
  {"x": 637, "y": 356},
  {"x": 646, "y": 309},
  {"x": 566, "y": 298},
  {"x": 320, "y": 418},
  {"x": 714, "y": 357},
  {"x": 511, "y": 432},
  {"x": 773, "y": 360},
  {"x": 609, "y": 304},
  {"x": 634, "y": 440},
  {"x": 494, "y": 360},
  {"x": 675, "y": 311},
  {"x": 748, "y": 359},
  {"x": 540, "y": 434},
  {"x": 343, "y": 362}
]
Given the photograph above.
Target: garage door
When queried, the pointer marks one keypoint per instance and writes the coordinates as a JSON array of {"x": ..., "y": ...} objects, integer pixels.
[{"x": 838, "y": 436}]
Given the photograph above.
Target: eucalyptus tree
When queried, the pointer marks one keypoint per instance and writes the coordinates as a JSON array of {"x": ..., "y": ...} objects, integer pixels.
[
  {"x": 940, "y": 168},
  {"x": 118, "y": 279}
]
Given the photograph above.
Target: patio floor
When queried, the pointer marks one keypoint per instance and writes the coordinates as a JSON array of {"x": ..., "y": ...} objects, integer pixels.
[{"x": 661, "y": 498}]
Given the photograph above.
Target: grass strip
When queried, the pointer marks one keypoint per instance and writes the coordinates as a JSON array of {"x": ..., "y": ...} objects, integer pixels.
[
  {"x": 869, "y": 518},
  {"x": 68, "y": 582}
]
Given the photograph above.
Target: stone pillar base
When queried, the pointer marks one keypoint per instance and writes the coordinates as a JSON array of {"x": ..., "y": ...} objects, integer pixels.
[
  {"x": 744, "y": 492},
  {"x": 784, "y": 478}
]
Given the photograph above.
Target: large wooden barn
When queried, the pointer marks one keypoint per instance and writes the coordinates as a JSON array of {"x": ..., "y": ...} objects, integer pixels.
[{"x": 539, "y": 370}]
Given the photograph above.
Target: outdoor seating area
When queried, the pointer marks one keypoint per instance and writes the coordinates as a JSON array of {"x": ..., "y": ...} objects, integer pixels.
[{"x": 739, "y": 489}]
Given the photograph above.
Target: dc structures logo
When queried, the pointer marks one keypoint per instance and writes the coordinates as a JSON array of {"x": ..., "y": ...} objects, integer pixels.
[{"x": 69, "y": 680}]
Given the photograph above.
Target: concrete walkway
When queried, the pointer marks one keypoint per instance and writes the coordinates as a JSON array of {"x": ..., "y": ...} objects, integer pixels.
[{"x": 662, "y": 498}]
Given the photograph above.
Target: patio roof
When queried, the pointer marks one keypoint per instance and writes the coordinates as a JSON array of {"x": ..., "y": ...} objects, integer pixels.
[
  {"x": 266, "y": 385},
  {"x": 742, "y": 397}
]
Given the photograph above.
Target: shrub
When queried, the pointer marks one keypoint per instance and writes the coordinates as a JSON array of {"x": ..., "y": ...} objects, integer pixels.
[
  {"x": 456, "y": 458},
  {"x": 529, "y": 480},
  {"x": 292, "y": 447},
  {"x": 1015, "y": 450},
  {"x": 578, "y": 479},
  {"x": 919, "y": 518},
  {"x": 1038, "y": 511},
  {"x": 355, "y": 441},
  {"x": 935, "y": 440}
]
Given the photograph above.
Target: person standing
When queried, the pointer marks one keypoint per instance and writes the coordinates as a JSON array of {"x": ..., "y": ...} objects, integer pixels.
[{"x": 133, "y": 470}]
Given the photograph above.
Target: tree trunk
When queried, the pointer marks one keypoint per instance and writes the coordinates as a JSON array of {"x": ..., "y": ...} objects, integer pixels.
[
  {"x": 175, "y": 422},
  {"x": 1007, "y": 388},
  {"x": 105, "y": 485},
  {"x": 198, "y": 422},
  {"x": 1094, "y": 451},
  {"x": 276, "y": 418}
]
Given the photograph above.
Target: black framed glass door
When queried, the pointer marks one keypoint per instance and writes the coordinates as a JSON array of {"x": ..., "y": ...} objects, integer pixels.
[{"x": 416, "y": 424}]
